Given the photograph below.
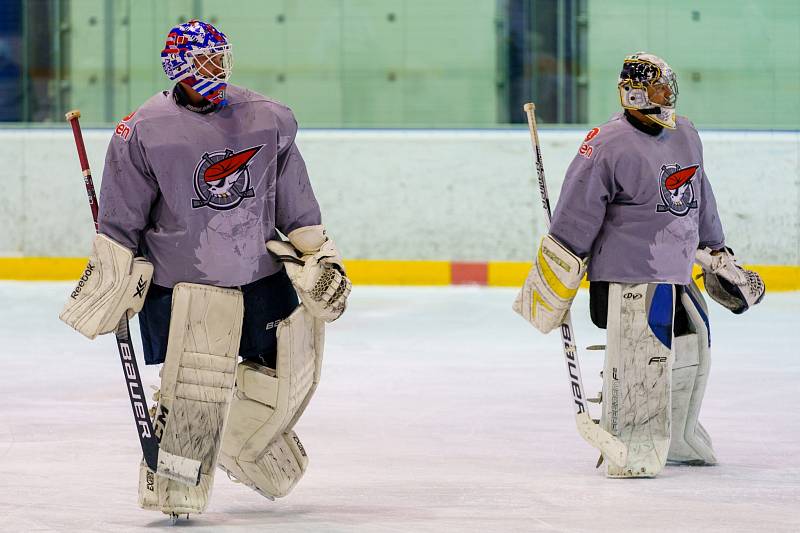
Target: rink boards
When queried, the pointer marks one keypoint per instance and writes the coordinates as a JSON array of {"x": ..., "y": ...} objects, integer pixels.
[
  {"x": 377, "y": 272},
  {"x": 415, "y": 207}
]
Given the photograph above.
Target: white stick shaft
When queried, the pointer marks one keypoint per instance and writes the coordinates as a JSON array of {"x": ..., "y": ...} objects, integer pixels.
[
  {"x": 567, "y": 336},
  {"x": 611, "y": 447},
  {"x": 530, "y": 110}
]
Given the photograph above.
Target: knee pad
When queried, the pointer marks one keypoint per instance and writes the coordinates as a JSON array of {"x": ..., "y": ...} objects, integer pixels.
[
  {"x": 197, "y": 382},
  {"x": 690, "y": 441},
  {"x": 636, "y": 375},
  {"x": 259, "y": 448}
]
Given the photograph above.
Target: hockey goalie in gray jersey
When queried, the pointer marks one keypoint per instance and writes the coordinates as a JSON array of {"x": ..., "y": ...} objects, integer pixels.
[
  {"x": 636, "y": 210},
  {"x": 198, "y": 182}
]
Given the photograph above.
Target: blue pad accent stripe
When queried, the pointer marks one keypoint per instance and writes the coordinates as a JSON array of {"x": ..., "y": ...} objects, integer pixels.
[{"x": 660, "y": 316}]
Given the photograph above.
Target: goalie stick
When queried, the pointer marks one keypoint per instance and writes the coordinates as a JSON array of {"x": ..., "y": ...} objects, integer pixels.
[
  {"x": 611, "y": 447},
  {"x": 180, "y": 469}
]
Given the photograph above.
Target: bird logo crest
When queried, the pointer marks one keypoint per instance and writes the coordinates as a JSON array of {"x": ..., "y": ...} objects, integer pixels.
[
  {"x": 222, "y": 179},
  {"x": 677, "y": 191}
]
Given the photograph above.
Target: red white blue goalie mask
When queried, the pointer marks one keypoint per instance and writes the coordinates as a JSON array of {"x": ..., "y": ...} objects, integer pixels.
[
  {"x": 648, "y": 84},
  {"x": 199, "y": 55}
]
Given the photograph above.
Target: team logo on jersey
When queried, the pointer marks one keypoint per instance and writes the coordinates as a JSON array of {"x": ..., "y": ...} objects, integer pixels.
[
  {"x": 222, "y": 178},
  {"x": 677, "y": 191}
]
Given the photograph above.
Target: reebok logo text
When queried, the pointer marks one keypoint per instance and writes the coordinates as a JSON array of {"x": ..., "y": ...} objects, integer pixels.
[{"x": 81, "y": 282}]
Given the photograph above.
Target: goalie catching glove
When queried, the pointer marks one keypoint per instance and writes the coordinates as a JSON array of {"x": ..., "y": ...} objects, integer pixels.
[
  {"x": 315, "y": 268},
  {"x": 727, "y": 283},
  {"x": 114, "y": 283},
  {"x": 547, "y": 294}
]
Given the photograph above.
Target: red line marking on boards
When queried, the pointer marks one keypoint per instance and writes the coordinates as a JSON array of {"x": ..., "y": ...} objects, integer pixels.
[{"x": 469, "y": 273}]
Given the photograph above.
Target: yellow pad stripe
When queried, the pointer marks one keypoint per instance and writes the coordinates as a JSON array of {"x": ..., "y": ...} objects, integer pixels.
[
  {"x": 536, "y": 299},
  {"x": 563, "y": 292}
]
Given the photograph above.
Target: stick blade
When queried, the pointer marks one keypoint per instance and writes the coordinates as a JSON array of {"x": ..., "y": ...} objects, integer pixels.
[{"x": 610, "y": 446}]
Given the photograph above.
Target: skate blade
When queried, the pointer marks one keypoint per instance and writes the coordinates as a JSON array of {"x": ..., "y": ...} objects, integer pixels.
[{"x": 173, "y": 518}]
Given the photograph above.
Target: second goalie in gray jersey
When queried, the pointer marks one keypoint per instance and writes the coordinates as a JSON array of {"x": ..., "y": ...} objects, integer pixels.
[{"x": 636, "y": 210}]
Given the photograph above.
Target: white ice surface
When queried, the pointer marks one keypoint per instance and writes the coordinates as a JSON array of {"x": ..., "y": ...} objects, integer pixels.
[{"x": 439, "y": 410}]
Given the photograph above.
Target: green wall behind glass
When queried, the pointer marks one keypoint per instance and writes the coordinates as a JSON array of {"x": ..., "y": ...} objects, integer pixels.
[
  {"x": 406, "y": 63},
  {"x": 335, "y": 62},
  {"x": 738, "y": 62}
]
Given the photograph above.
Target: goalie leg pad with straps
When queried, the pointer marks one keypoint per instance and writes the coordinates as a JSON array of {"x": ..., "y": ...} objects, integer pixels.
[
  {"x": 196, "y": 387},
  {"x": 690, "y": 442},
  {"x": 636, "y": 375},
  {"x": 113, "y": 283},
  {"x": 259, "y": 448}
]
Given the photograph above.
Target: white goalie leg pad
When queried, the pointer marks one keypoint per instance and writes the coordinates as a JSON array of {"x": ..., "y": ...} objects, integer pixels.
[
  {"x": 636, "y": 375},
  {"x": 550, "y": 286},
  {"x": 690, "y": 441},
  {"x": 113, "y": 283},
  {"x": 197, "y": 382},
  {"x": 260, "y": 449}
]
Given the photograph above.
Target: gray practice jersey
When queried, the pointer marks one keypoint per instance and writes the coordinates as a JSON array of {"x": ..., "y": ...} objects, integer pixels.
[
  {"x": 638, "y": 205},
  {"x": 199, "y": 194}
]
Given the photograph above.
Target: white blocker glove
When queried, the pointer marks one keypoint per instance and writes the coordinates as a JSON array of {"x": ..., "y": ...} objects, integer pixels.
[
  {"x": 726, "y": 282},
  {"x": 113, "y": 283},
  {"x": 550, "y": 286},
  {"x": 316, "y": 271}
]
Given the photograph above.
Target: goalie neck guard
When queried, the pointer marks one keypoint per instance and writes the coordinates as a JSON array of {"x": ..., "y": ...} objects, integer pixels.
[
  {"x": 199, "y": 55},
  {"x": 645, "y": 77}
]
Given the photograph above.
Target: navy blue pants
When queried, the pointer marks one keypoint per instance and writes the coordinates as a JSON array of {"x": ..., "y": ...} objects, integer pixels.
[
  {"x": 266, "y": 302},
  {"x": 598, "y": 307}
]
